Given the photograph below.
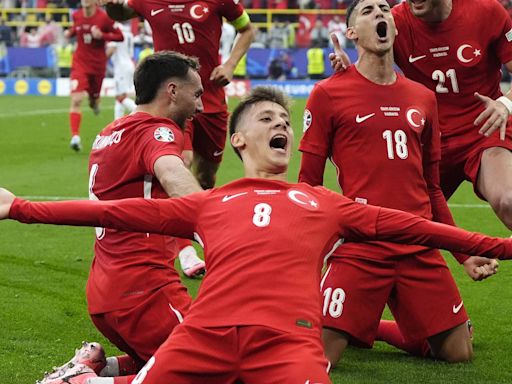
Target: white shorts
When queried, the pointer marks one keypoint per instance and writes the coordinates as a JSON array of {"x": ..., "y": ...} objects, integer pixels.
[{"x": 123, "y": 79}]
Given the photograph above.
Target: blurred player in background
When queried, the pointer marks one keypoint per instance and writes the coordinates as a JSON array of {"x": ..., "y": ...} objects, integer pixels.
[
  {"x": 135, "y": 296},
  {"x": 121, "y": 56},
  {"x": 92, "y": 28},
  {"x": 242, "y": 327},
  {"x": 381, "y": 132}
]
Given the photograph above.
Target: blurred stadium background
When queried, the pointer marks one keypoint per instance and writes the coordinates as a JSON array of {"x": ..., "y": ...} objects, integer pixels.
[{"x": 43, "y": 269}]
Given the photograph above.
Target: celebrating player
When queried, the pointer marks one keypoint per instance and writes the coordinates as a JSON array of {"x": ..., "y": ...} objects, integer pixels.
[
  {"x": 241, "y": 326},
  {"x": 381, "y": 132},
  {"x": 195, "y": 29},
  {"x": 92, "y": 29},
  {"x": 135, "y": 296}
]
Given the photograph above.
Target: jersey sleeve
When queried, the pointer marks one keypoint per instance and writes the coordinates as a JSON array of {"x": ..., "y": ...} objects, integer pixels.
[
  {"x": 234, "y": 12},
  {"x": 318, "y": 124},
  {"x": 158, "y": 140},
  {"x": 110, "y": 31},
  {"x": 501, "y": 23},
  {"x": 174, "y": 217}
]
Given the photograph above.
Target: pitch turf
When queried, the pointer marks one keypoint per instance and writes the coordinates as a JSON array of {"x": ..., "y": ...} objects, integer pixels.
[{"x": 43, "y": 269}]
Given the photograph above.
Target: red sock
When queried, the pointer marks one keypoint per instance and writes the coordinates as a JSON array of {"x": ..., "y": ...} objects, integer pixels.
[
  {"x": 128, "y": 365},
  {"x": 74, "y": 122},
  {"x": 124, "y": 379},
  {"x": 182, "y": 243},
  {"x": 390, "y": 333}
]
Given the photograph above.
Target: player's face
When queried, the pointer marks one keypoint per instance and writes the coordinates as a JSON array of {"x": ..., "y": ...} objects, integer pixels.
[
  {"x": 87, "y": 3},
  {"x": 423, "y": 8},
  {"x": 372, "y": 26},
  {"x": 188, "y": 98},
  {"x": 266, "y": 137}
]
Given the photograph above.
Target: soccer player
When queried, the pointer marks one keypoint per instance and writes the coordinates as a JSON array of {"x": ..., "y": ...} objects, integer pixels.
[
  {"x": 381, "y": 132},
  {"x": 135, "y": 296},
  {"x": 121, "y": 56},
  {"x": 242, "y": 326},
  {"x": 195, "y": 30},
  {"x": 92, "y": 29}
]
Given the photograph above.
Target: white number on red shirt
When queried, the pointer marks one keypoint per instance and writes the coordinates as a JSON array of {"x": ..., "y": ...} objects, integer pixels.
[
  {"x": 440, "y": 77},
  {"x": 333, "y": 302},
  {"x": 100, "y": 232},
  {"x": 396, "y": 144},
  {"x": 185, "y": 32},
  {"x": 87, "y": 38},
  {"x": 261, "y": 217}
]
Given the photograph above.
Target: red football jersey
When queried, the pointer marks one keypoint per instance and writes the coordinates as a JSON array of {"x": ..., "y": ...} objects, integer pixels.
[
  {"x": 192, "y": 28},
  {"x": 264, "y": 243},
  {"x": 456, "y": 58},
  {"x": 129, "y": 265},
  {"x": 90, "y": 55},
  {"x": 378, "y": 142}
]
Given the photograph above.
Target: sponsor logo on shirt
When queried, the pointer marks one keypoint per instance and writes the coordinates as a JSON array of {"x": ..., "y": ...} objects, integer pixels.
[
  {"x": 106, "y": 141},
  {"x": 176, "y": 8},
  {"x": 230, "y": 197},
  {"x": 155, "y": 12},
  {"x": 439, "y": 51},
  {"x": 308, "y": 118},
  {"x": 415, "y": 118},
  {"x": 457, "y": 308},
  {"x": 469, "y": 54},
  {"x": 303, "y": 199},
  {"x": 199, "y": 11},
  {"x": 390, "y": 111},
  {"x": 416, "y": 58},
  {"x": 360, "y": 119},
  {"x": 164, "y": 135}
]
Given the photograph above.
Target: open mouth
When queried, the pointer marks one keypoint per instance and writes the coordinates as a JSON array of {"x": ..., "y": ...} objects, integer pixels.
[
  {"x": 278, "y": 142},
  {"x": 382, "y": 30}
]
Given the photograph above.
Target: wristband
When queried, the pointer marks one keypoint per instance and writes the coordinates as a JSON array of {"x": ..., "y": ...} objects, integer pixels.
[{"x": 506, "y": 102}]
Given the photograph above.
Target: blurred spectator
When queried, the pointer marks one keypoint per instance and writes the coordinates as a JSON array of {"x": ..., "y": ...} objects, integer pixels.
[
  {"x": 64, "y": 52},
  {"x": 277, "y": 4},
  {"x": 282, "y": 67},
  {"x": 260, "y": 39},
  {"x": 50, "y": 32},
  {"x": 319, "y": 35},
  {"x": 290, "y": 30},
  {"x": 338, "y": 27},
  {"x": 147, "y": 49},
  {"x": 144, "y": 35},
  {"x": 30, "y": 38},
  {"x": 6, "y": 34},
  {"x": 278, "y": 36},
  {"x": 316, "y": 62}
]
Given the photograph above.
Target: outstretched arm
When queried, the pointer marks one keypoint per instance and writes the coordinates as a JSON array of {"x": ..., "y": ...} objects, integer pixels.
[
  {"x": 402, "y": 227},
  {"x": 176, "y": 217}
]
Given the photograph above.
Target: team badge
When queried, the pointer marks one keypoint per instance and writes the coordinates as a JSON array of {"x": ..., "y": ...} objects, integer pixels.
[
  {"x": 308, "y": 118},
  {"x": 199, "y": 11},
  {"x": 164, "y": 134},
  {"x": 469, "y": 54},
  {"x": 415, "y": 118},
  {"x": 508, "y": 36},
  {"x": 303, "y": 199}
]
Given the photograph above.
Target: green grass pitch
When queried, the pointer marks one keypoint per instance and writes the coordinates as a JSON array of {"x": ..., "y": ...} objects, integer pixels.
[{"x": 43, "y": 269}]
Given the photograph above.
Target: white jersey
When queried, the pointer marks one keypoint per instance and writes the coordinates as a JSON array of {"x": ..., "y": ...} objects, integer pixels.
[
  {"x": 227, "y": 39},
  {"x": 123, "y": 55}
]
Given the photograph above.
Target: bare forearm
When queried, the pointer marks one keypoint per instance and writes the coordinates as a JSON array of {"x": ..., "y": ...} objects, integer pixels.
[{"x": 241, "y": 46}]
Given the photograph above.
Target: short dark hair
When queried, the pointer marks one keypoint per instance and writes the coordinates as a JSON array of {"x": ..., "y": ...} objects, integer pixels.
[
  {"x": 351, "y": 9},
  {"x": 157, "y": 68},
  {"x": 257, "y": 95}
]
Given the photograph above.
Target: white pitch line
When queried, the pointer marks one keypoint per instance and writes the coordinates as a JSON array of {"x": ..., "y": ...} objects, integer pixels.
[
  {"x": 38, "y": 112},
  {"x": 56, "y": 198}
]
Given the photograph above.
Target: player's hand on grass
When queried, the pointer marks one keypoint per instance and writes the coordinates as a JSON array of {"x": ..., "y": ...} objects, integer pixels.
[
  {"x": 495, "y": 116},
  {"x": 222, "y": 74},
  {"x": 339, "y": 58},
  {"x": 6, "y": 199},
  {"x": 480, "y": 268}
]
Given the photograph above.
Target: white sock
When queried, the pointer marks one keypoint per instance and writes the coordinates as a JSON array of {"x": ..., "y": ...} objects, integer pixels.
[
  {"x": 129, "y": 104},
  {"x": 112, "y": 367},
  {"x": 118, "y": 110},
  {"x": 100, "y": 380}
]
